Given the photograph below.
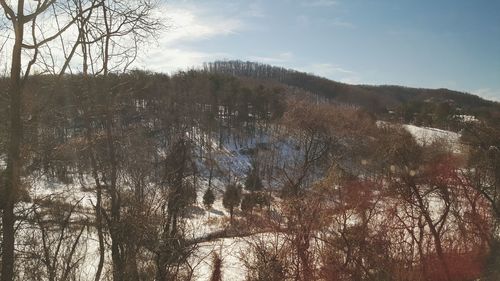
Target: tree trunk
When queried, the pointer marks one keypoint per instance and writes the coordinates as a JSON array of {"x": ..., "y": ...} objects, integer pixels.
[
  {"x": 131, "y": 267},
  {"x": 117, "y": 242},
  {"x": 434, "y": 232},
  {"x": 12, "y": 173}
]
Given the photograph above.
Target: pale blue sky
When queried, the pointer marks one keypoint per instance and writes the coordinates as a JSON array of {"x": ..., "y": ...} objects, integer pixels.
[{"x": 421, "y": 43}]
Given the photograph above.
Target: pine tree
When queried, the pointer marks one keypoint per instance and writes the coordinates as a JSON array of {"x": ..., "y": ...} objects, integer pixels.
[
  {"x": 248, "y": 203},
  {"x": 208, "y": 198},
  {"x": 232, "y": 198},
  {"x": 253, "y": 181}
]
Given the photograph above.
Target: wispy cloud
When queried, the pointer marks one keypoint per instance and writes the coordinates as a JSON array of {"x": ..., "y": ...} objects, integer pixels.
[
  {"x": 279, "y": 58},
  {"x": 307, "y": 21},
  {"x": 333, "y": 72},
  {"x": 192, "y": 25},
  {"x": 188, "y": 25},
  {"x": 341, "y": 23},
  {"x": 319, "y": 3},
  {"x": 303, "y": 20},
  {"x": 488, "y": 93},
  {"x": 254, "y": 10},
  {"x": 329, "y": 69},
  {"x": 170, "y": 60}
]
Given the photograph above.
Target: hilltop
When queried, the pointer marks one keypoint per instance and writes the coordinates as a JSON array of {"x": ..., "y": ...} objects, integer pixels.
[{"x": 430, "y": 107}]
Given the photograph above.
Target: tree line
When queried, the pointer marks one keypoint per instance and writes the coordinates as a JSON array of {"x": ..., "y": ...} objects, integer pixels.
[
  {"x": 345, "y": 198},
  {"x": 329, "y": 195},
  {"x": 428, "y": 107}
]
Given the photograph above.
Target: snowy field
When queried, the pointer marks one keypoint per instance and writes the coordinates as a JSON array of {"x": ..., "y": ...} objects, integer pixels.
[
  {"x": 230, "y": 159},
  {"x": 426, "y": 136}
]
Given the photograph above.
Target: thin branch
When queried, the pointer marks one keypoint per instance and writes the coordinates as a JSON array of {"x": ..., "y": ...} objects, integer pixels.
[
  {"x": 8, "y": 11},
  {"x": 35, "y": 55},
  {"x": 59, "y": 32}
]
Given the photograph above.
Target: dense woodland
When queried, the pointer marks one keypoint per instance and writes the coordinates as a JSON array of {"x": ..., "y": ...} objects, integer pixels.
[
  {"x": 114, "y": 174},
  {"x": 343, "y": 197},
  {"x": 428, "y": 107}
]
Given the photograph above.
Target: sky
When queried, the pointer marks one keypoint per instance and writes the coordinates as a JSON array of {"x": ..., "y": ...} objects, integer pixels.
[{"x": 451, "y": 44}]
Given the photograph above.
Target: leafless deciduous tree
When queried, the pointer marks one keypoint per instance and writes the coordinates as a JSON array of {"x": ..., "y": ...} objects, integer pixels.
[
  {"x": 22, "y": 16},
  {"x": 118, "y": 27}
]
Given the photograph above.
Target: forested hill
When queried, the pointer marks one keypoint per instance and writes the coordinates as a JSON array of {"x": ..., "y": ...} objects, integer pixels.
[
  {"x": 409, "y": 102},
  {"x": 237, "y": 84},
  {"x": 174, "y": 169}
]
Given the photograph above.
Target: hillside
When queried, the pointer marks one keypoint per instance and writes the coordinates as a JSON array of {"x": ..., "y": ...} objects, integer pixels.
[
  {"x": 116, "y": 172},
  {"x": 405, "y": 102},
  {"x": 119, "y": 162}
]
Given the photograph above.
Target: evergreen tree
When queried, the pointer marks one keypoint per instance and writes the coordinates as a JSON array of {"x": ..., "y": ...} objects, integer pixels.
[
  {"x": 253, "y": 181},
  {"x": 216, "y": 268},
  {"x": 208, "y": 198},
  {"x": 248, "y": 203},
  {"x": 232, "y": 198}
]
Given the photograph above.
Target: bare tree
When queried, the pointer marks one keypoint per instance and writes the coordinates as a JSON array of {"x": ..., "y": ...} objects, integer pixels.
[
  {"x": 116, "y": 20},
  {"x": 60, "y": 242},
  {"x": 21, "y": 16}
]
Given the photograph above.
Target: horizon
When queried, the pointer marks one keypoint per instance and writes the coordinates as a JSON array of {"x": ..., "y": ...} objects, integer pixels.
[
  {"x": 451, "y": 44},
  {"x": 200, "y": 68}
]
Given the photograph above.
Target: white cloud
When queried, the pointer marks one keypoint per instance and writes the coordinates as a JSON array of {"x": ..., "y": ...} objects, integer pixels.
[
  {"x": 170, "y": 60},
  {"x": 333, "y": 72},
  {"x": 279, "y": 58},
  {"x": 191, "y": 24},
  {"x": 329, "y": 69},
  {"x": 488, "y": 93},
  {"x": 187, "y": 24}
]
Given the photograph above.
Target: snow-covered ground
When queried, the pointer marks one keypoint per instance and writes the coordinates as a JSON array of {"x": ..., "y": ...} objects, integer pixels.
[
  {"x": 232, "y": 159},
  {"x": 230, "y": 251},
  {"x": 426, "y": 136}
]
